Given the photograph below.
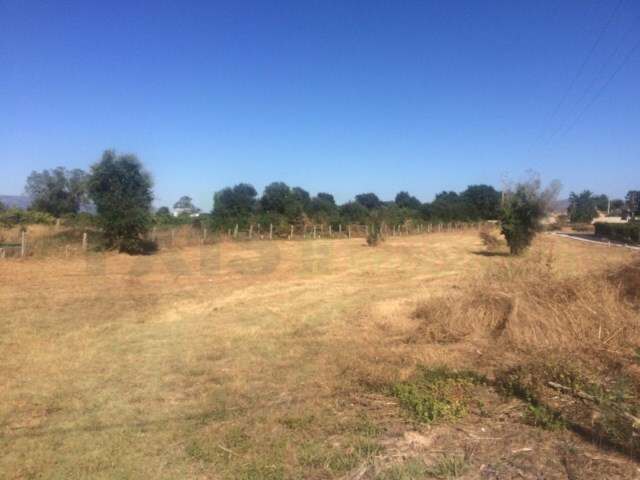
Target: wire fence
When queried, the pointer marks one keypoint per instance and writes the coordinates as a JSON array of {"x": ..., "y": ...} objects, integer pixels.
[{"x": 57, "y": 241}]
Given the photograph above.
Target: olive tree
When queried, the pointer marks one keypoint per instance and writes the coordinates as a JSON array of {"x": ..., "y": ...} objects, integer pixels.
[
  {"x": 58, "y": 191},
  {"x": 121, "y": 189},
  {"x": 523, "y": 208}
]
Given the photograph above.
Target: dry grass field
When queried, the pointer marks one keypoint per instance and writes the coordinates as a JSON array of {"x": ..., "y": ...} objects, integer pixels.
[{"x": 425, "y": 357}]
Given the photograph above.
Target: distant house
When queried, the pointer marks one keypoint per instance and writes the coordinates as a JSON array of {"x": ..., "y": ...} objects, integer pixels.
[{"x": 185, "y": 211}]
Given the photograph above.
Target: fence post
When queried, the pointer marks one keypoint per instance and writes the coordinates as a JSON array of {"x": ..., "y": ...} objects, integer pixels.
[
  {"x": 204, "y": 234},
  {"x": 366, "y": 230},
  {"x": 271, "y": 231},
  {"x": 235, "y": 231},
  {"x": 84, "y": 242},
  {"x": 291, "y": 235},
  {"x": 340, "y": 229},
  {"x": 349, "y": 231},
  {"x": 250, "y": 232},
  {"x": 153, "y": 234},
  {"x": 23, "y": 244},
  {"x": 314, "y": 231},
  {"x": 330, "y": 235},
  {"x": 2, "y": 254}
]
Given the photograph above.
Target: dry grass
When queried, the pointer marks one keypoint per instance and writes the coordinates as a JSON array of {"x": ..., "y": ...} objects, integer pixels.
[{"x": 272, "y": 360}]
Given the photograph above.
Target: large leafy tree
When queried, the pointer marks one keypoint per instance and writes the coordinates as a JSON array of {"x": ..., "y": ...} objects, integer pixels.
[
  {"x": 58, "y": 191},
  {"x": 447, "y": 206},
  {"x": 369, "y": 200},
  {"x": 404, "y": 200},
  {"x": 234, "y": 205},
  {"x": 483, "y": 201},
  {"x": 523, "y": 209},
  {"x": 323, "y": 208},
  {"x": 582, "y": 207},
  {"x": 121, "y": 189}
]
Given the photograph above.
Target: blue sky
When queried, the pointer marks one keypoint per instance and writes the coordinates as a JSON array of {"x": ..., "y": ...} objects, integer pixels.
[{"x": 342, "y": 96}]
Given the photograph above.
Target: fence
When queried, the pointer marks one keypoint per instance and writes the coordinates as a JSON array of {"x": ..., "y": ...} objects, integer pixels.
[
  {"x": 292, "y": 232},
  {"x": 56, "y": 242}
]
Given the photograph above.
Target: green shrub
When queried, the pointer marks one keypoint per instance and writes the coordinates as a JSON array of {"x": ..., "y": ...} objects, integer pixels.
[
  {"x": 627, "y": 231},
  {"x": 438, "y": 393}
]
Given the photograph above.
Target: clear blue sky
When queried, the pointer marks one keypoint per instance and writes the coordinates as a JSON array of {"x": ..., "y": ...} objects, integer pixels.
[{"x": 338, "y": 96}]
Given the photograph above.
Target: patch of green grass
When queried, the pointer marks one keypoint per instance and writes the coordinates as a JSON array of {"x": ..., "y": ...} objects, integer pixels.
[
  {"x": 438, "y": 393},
  {"x": 448, "y": 467},
  {"x": 543, "y": 417},
  {"x": 364, "y": 426},
  {"x": 335, "y": 460},
  {"x": 412, "y": 469}
]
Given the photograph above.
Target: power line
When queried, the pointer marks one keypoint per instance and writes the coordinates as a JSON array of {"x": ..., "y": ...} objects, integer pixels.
[
  {"x": 629, "y": 55},
  {"x": 575, "y": 78},
  {"x": 591, "y": 84}
]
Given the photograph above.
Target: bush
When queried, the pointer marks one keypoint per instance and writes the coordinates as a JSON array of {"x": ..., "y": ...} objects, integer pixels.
[
  {"x": 626, "y": 231},
  {"x": 522, "y": 211},
  {"x": 373, "y": 239},
  {"x": 17, "y": 216}
]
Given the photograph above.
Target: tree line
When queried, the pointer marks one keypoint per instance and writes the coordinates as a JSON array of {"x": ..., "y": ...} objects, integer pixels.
[{"x": 120, "y": 190}]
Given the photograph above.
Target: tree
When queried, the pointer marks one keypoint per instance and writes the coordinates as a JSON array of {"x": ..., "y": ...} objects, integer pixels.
[
  {"x": 633, "y": 201},
  {"x": 582, "y": 207},
  {"x": 121, "y": 190},
  {"x": 447, "y": 206},
  {"x": 276, "y": 198},
  {"x": 483, "y": 201},
  {"x": 369, "y": 200},
  {"x": 58, "y": 191},
  {"x": 522, "y": 211},
  {"x": 404, "y": 200},
  {"x": 234, "y": 206},
  {"x": 616, "y": 204},
  {"x": 185, "y": 206},
  {"x": 323, "y": 208},
  {"x": 354, "y": 212},
  {"x": 602, "y": 202}
]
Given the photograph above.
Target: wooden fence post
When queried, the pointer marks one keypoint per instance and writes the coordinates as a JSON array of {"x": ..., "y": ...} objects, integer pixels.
[
  {"x": 291, "y": 235},
  {"x": 23, "y": 244},
  {"x": 271, "y": 231},
  {"x": 340, "y": 229},
  {"x": 314, "y": 231},
  {"x": 204, "y": 234},
  {"x": 84, "y": 242},
  {"x": 250, "y": 232},
  {"x": 2, "y": 254},
  {"x": 349, "y": 231},
  {"x": 153, "y": 234},
  {"x": 330, "y": 234},
  {"x": 235, "y": 231}
]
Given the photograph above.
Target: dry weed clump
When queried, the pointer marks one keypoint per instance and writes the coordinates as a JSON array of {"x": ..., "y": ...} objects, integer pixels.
[
  {"x": 627, "y": 280},
  {"x": 491, "y": 240},
  {"x": 525, "y": 305},
  {"x": 573, "y": 343}
]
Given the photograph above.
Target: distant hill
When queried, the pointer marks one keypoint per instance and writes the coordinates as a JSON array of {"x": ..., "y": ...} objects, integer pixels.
[
  {"x": 20, "y": 201},
  {"x": 560, "y": 206}
]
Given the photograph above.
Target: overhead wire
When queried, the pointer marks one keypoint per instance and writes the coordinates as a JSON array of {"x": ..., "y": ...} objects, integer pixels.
[
  {"x": 600, "y": 91},
  {"x": 573, "y": 81},
  {"x": 589, "y": 87}
]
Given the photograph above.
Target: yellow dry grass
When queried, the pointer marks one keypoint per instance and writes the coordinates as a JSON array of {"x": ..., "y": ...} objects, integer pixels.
[{"x": 238, "y": 360}]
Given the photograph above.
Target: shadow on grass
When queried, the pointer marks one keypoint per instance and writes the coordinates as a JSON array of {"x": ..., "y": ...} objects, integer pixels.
[{"x": 491, "y": 254}]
